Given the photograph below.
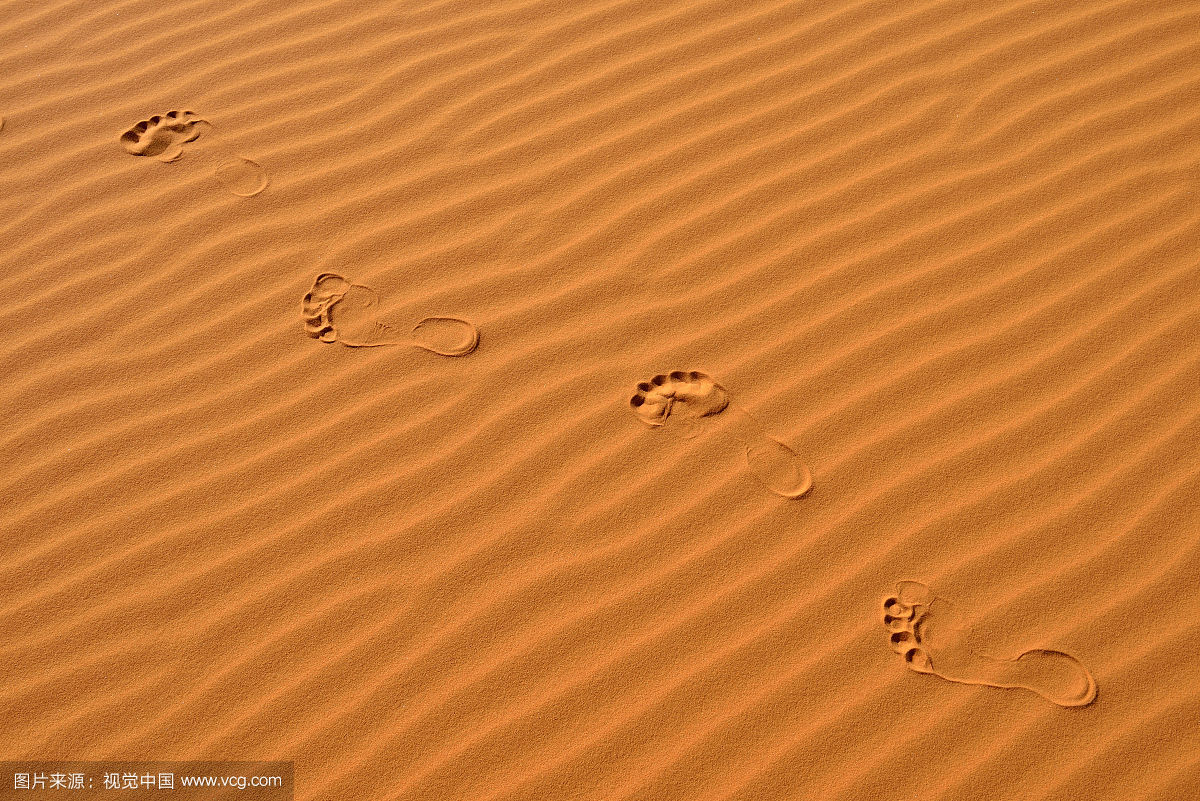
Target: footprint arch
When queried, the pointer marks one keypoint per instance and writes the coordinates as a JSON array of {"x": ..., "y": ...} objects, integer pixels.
[
  {"x": 934, "y": 638},
  {"x": 688, "y": 397},
  {"x": 337, "y": 309},
  {"x": 164, "y": 136}
]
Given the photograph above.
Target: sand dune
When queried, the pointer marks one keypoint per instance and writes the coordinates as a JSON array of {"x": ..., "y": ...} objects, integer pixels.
[{"x": 920, "y": 281}]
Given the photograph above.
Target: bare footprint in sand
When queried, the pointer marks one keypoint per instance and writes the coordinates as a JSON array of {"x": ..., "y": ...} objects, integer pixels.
[
  {"x": 688, "y": 397},
  {"x": 338, "y": 310},
  {"x": 933, "y": 637},
  {"x": 163, "y": 137}
]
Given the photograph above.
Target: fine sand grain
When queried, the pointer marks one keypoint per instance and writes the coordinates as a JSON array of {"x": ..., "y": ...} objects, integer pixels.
[{"x": 908, "y": 293}]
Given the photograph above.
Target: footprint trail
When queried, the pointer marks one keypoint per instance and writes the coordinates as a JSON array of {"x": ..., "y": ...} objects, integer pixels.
[
  {"x": 933, "y": 638},
  {"x": 689, "y": 397},
  {"x": 338, "y": 310},
  {"x": 163, "y": 137}
]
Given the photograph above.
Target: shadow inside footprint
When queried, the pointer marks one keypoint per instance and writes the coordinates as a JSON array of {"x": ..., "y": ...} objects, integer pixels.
[
  {"x": 933, "y": 637},
  {"x": 338, "y": 310},
  {"x": 163, "y": 137},
  {"x": 691, "y": 396}
]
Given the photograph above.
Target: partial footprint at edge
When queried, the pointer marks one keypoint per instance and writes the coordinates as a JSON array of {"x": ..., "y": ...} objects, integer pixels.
[
  {"x": 163, "y": 137},
  {"x": 692, "y": 396},
  {"x": 934, "y": 638},
  {"x": 338, "y": 310}
]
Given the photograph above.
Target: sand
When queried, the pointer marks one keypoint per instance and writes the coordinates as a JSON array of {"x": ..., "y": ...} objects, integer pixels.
[{"x": 910, "y": 295}]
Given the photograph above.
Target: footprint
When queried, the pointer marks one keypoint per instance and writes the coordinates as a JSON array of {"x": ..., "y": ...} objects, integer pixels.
[
  {"x": 933, "y": 638},
  {"x": 688, "y": 397},
  {"x": 163, "y": 137},
  {"x": 337, "y": 310}
]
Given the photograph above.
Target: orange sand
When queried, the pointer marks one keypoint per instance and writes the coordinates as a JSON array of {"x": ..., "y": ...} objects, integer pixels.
[{"x": 945, "y": 256}]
